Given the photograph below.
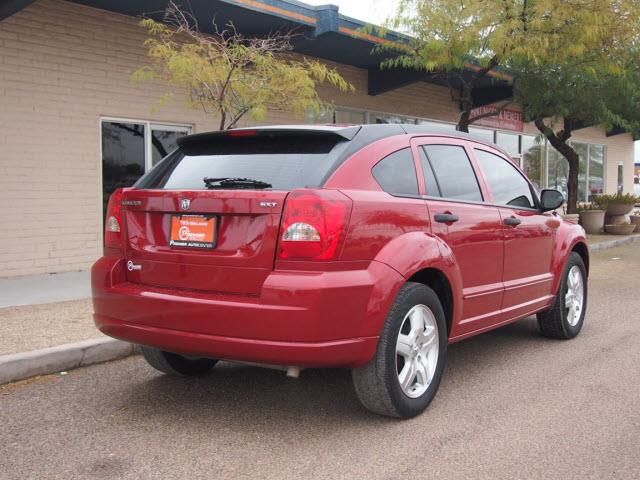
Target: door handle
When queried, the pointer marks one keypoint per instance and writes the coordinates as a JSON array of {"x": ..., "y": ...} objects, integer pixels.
[
  {"x": 445, "y": 218},
  {"x": 512, "y": 221}
]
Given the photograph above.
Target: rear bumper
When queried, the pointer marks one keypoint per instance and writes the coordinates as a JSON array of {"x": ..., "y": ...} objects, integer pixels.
[{"x": 312, "y": 319}]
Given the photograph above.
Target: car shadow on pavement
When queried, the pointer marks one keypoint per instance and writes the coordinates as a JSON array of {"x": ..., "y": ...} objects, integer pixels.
[{"x": 233, "y": 394}]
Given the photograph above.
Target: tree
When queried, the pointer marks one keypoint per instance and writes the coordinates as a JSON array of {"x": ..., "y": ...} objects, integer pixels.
[
  {"x": 470, "y": 41},
  {"x": 232, "y": 75},
  {"x": 570, "y": 62},
  {"x": 561, "y": 98}
]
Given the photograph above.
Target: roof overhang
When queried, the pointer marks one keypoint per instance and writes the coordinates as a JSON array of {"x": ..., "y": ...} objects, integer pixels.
[{"x": 322, "y": 32}]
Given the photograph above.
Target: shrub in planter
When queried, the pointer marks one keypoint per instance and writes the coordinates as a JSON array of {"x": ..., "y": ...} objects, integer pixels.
[
  {"x": 591, "y": 217},
  {"x": 618, "y": 204}
]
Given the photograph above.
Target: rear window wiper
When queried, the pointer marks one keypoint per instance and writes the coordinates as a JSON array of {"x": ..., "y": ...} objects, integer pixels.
[{"x": 230, "y": 182}]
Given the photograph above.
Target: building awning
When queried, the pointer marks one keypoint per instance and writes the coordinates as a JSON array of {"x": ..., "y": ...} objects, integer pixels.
[{"x": 323, "y": 33}]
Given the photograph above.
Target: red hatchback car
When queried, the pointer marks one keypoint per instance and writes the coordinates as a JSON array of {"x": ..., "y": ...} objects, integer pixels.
[{"x": 367, "y": 247}]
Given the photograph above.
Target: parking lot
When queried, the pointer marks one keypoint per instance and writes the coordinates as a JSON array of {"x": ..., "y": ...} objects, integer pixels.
[{"x": 512, "y": 405}]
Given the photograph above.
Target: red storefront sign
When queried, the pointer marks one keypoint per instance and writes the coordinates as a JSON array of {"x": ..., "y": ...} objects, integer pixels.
[{"x": 505, "y": 120}]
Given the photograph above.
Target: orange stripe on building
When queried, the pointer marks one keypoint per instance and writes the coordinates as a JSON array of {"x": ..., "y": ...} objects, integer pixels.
[
  {"x": 373, "y": 38},
  {"x": 280, "y": 11}
]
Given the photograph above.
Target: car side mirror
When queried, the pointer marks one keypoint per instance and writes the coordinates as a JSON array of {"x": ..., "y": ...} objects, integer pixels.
[{"x": 550, "y": 200}]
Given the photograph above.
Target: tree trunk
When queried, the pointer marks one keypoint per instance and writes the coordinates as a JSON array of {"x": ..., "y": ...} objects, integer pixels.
[
  {"x": 466, "y": 105},
  {"x": 466, "y": 93},
  {"x": 559, "y": 142}
]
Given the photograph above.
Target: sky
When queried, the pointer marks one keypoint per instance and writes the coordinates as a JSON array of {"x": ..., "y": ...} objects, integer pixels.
[{"x": 372, "y": 11}]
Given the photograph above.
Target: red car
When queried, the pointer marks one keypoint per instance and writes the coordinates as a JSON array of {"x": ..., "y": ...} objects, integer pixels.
[{"x": 367, "y": 247}]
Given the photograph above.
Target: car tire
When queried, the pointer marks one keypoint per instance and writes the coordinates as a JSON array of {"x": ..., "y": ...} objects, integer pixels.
[
  {"x": 563, "y": 320},
  {"x": 174, "y": 364},
  {"x": 378, "y": 383}
]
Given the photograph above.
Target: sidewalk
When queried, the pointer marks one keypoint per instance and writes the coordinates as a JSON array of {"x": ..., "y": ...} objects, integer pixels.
[{"x": 46, "y": 322}]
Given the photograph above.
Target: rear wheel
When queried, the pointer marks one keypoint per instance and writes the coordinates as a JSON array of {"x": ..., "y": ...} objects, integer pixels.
[
  {"x": 174, "y": 364},
  {"x": 404, "y": 375},
  {"x": 565, "y": 319}
]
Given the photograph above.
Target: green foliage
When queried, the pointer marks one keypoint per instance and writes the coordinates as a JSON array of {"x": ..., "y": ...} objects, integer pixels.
[
  {"x": 611, "y": 199},
  {"x": 570, "y": 62},
  {"x": 231, "y": 75}
]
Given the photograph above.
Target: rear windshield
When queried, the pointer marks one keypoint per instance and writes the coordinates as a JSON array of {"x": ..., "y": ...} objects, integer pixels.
[{"x": 284, "y": 161}]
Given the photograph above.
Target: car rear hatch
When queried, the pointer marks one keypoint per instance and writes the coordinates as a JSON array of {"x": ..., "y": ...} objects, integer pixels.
[{"x": 183, "y": 232}]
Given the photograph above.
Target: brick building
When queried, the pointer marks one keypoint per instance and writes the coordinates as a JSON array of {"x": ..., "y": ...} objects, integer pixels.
[{"x": 73, "y": 126}]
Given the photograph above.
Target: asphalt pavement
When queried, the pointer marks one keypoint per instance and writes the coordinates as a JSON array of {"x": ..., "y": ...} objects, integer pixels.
[{"x": 512, "y": 404}]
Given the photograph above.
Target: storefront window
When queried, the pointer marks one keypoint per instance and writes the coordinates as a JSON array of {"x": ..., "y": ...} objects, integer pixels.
[
  {"x": 620, "y": 178},
  {"x": 596, "y": 170},
  {"x": 481, "y": 134},
  {"x": 532, "y": 155},
  {"x": 129, "y": 149},
  {"x": 558, "y": 171},
  {"x": 438, "y": 125},
  {"x": 350, "y": 116},
  {"x": 583, "y": 153},
  {"x": 509, "y": 142},
  {"x": 386, "y": 118}
]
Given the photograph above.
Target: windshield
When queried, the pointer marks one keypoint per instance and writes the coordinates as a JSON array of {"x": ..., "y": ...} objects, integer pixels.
[{"x": 283, "y": 162}]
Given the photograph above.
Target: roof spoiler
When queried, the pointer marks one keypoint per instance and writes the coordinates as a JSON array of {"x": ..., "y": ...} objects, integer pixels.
[{"x": 344, "y": 132}]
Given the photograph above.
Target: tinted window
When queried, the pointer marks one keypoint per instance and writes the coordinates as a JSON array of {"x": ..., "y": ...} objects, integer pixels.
[
  {"x": 397, "y": 173},
  {"x": 433, "y": 190},
  {"x": 122, "y": 156},
  {"x": 284, "y": 161},
  {"x": 453, "y": 172},
  {"x": 509, "y": 187}
]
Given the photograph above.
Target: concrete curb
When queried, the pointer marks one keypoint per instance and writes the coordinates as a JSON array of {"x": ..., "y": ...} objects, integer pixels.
[
  {"x": 614, "y": 243},
  {"x": 19, "y": 366}
]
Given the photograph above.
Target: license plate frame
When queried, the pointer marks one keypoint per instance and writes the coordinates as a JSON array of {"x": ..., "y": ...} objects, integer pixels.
[{"x": 192, "y": 231}]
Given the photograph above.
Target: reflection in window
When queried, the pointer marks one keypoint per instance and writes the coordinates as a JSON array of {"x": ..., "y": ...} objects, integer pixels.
[
  {"x": 532, "y": 154},
  {"x": 396, "y": 173},
  {"x": 350, "y": 117},
  {"x": 558, "y": 171},
  {"x": 583, "y": 154},
  {"x": 509, "y": 142},
  {"x": 596, "y": 170},
  {"x": 163, "y": 142},
  {"x": 122, "y": 156},
  {"x": 508, "y": 186},
  {"x": 454, "y": 173},
  {"x": 482, "y": 134}
]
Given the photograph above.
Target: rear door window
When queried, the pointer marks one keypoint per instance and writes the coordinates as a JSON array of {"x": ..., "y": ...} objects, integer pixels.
[
  {"x": 453, "y": 172},
  {"x": 396, "y": 173},
  {"x": 284, "y": 161},
  {"x": 508, "y": 185}
]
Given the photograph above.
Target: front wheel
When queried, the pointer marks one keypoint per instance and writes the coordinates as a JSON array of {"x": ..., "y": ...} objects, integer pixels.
[
  {"x": 565, "y": 319},
  {"x": 174, "y": 364},
  {"x": 404, "y": 375}
]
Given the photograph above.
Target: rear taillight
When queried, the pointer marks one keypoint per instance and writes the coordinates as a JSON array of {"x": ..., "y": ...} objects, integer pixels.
[
  {"x": 314, "y": 224},
  {"x": 113, "y": 222}
]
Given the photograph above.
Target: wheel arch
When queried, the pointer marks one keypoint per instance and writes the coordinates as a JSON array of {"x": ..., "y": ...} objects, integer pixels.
[
  {"x": 581, "y": 249},
  {"x": 439, "y": 283}
]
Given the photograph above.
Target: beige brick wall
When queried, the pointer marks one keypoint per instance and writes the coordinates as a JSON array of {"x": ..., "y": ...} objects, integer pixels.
[{"x": 64, "y": 66}]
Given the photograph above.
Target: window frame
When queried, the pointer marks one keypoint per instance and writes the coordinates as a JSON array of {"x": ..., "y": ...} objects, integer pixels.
[
  {"x": 423, "y": 141},
  {"x": 419, "y": 181},
  {"x": 149, "y": 126},
  {"x": 487, "y": 186}
]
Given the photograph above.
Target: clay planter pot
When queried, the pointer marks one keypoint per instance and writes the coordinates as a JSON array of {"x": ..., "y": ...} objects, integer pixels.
[
  {"x": 571, "y": 218},
  {"x": 615, "y": 209},
  {"x": 635, "y": 219},
  {"x": 592, "y": 220},
  {"x": 626, "y": 229}
]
